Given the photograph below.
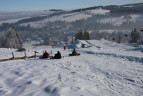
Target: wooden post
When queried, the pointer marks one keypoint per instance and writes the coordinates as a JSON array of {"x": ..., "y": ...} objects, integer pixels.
[
  {"x": 12, "y": 55},
  {"x": 35, "y": 53}
]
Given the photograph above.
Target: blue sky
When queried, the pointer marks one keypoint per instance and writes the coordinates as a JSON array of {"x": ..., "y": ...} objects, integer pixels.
[{"x": 31, "y": 5}]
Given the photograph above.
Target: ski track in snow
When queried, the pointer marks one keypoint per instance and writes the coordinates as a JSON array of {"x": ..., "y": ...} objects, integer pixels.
[{"x": 103, "y": 69}]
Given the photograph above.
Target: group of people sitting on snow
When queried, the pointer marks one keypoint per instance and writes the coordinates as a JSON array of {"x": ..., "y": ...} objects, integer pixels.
[{"x": 58, "y": 55}]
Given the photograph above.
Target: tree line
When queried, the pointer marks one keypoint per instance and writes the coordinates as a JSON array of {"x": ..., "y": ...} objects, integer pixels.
[{"x": 10, "y": 38}]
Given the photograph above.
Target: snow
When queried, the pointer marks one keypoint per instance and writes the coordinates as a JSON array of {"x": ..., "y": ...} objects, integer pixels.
[
  {"x": 119, "y": 20},
  {"x": 104, "y": 68},
  {"x": 98, "y": 11},
  {"x": 135, "y": 17},
  {"x": 69, "y": 17},
  {"x": 12, "y": 17},
  {"x": 11, "y": 20},
  {"x": 78, "y": 44},
  {"x": 130, "y": 6}
]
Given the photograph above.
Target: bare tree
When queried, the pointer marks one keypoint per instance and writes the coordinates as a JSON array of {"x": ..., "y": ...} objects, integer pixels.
[{"x": 82, "y": 35}]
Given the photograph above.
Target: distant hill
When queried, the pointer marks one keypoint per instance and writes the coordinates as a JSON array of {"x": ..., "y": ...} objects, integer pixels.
[
  {"x": 116, "y": 8},
  {"x": 38, "y": 16},
  {"x": 59, "y": 26}
]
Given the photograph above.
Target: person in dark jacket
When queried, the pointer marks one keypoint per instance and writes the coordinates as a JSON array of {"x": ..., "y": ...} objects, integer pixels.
[
  {"x": 58, "y": 55},
  {"x": 74, "y": 53},
  {"x": 46, "y": 55}
]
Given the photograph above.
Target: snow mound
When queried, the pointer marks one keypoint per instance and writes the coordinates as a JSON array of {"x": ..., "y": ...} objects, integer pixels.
[
  {"x": 79, "y": 44},
  {"x": 89, "y": 43}
]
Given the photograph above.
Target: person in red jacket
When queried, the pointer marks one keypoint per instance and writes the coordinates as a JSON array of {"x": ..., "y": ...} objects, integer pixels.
[{"x": 64, "y": 47}]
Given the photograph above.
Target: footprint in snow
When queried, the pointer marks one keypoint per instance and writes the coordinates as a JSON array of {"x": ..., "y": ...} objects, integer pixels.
[
  {"x": 73, "y": 73},
  {"x": 17, "y": 73},
  {"x": 59, "y": 77},
  {"x": 130, "y": 80},
  {"x": 75, "y": 88},
  {"x": 52, "y": 91}
]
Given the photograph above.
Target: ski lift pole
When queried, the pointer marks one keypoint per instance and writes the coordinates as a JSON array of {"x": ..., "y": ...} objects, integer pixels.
[
  {"x": 51, "y": 51},
  {"x": 35, "y": 53}
]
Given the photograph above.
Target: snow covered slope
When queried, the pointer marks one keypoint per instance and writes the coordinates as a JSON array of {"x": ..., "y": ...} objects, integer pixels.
[
  {"x": 12, "y": 17},
  {"x": 120, "y": 20},
  {"x": 103, "y": 69}
]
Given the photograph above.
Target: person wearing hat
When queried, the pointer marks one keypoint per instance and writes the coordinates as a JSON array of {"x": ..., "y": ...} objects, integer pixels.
[
  {"x": 46, "y": 54},
  {"x": 74, "y": 53}
]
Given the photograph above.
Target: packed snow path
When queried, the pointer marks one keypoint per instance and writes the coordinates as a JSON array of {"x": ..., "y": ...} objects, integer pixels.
[{"x": 103, "y": 69}]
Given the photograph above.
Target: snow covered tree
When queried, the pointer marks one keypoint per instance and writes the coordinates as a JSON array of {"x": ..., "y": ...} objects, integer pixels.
[{"x": 11, "y": 39}]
